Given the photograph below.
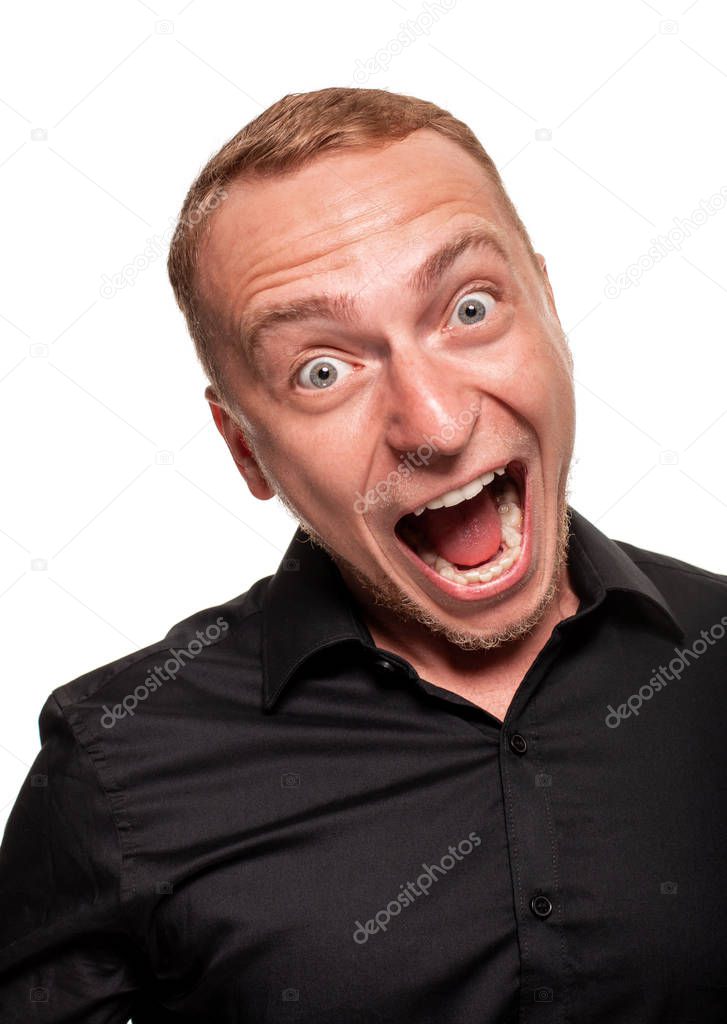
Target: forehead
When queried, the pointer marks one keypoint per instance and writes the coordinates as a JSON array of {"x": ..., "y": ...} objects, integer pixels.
[{"x": 343, "y": 213}]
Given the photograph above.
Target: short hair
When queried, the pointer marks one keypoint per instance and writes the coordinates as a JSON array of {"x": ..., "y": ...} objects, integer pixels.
[{"x": 285, "y": 137}]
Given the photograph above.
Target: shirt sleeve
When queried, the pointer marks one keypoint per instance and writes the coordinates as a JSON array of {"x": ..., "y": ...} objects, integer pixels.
[{"x": 65, "y": 955}]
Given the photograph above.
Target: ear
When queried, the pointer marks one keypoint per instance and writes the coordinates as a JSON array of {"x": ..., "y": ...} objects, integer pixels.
[
  {"x": 241, "y": 453},
  {"x": 548, "y": 287}
]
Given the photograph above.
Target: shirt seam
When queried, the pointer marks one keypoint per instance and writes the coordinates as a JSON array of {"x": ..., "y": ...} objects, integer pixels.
[
  {"x": 125, "y": 853},
  {"x": 129, "y": 661},
  {"x": 78, "y": 744},
  {"x": 702, "y": 574}
]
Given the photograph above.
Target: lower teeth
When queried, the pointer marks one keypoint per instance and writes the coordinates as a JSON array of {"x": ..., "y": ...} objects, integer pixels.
[{"x": 511, "y": 523}]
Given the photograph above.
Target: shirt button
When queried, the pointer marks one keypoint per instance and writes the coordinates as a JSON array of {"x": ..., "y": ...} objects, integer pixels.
[
  {"x": 518, "y": 743},
  {"x": 385, "y": 664},
  {"x": 541, "y": 906}
]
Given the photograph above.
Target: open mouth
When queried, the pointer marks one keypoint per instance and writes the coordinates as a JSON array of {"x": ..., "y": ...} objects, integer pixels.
[{"x": 474, "y": 535}]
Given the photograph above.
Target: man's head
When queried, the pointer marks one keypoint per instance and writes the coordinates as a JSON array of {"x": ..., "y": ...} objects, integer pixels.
[{"x": 378, "y": 331}]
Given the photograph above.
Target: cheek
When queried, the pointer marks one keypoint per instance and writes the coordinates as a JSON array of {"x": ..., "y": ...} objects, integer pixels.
[
  {"x": 540, "y": 386},
  {"x": 316, "y": 468},
  {"x": 330, "y": 452}
]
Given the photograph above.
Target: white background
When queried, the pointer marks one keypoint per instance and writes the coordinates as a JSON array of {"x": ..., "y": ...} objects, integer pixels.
[{"x": 607, "y": 121}]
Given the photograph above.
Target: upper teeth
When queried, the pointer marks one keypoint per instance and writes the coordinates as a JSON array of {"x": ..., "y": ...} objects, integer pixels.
[{"x": 460, "y": 494}]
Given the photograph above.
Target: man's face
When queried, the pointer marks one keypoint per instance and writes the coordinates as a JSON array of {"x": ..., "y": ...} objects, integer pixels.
[{"x": 358, "y": 420}]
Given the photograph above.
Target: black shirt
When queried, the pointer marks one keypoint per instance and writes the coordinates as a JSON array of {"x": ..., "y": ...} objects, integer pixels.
[{"x": 264, "y": 817}]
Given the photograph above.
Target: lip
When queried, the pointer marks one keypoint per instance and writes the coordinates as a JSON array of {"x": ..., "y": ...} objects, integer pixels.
[
  {"x": 470, "y": 591},
  {"x": 456, "y": 487}
]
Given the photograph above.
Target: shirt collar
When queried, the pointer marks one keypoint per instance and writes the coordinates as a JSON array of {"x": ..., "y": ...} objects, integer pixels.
[
  {"x": 599, "y": 565},
  {"x": 307, "y": 605}
]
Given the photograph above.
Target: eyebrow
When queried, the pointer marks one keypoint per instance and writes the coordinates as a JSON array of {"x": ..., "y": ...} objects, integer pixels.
[{"x": 343, "y": 307}]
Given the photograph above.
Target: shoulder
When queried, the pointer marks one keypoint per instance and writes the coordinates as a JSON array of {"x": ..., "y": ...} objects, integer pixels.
[
  {"x": 674, "y": 571},
  {"x": 199, "y": 639},
  {"x": 697, "y": 596}
]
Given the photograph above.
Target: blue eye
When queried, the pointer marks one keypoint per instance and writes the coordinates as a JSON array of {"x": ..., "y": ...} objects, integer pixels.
[
  {"x": 321, "y": 372},
  {"x": 473, "y": 307}
]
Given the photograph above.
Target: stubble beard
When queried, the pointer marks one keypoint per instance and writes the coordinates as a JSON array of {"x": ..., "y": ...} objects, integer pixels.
[{"x": 384, "y": 593}]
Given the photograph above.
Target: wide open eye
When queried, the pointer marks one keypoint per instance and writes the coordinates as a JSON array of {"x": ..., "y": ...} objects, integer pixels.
[
  {"x": 321, "y": 372},
  {"x": 472, "y": 308}
]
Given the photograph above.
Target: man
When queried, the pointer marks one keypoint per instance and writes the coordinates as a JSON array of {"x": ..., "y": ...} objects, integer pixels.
[{"x": 461, "y": 758}]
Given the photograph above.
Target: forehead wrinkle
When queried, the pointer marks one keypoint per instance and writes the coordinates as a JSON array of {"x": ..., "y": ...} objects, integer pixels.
[
  {"x": 343, "y": 307},
  {"x": 425, "y": 277}
]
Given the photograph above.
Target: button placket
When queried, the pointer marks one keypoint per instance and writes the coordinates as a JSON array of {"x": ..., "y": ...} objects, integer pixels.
[{"x": 534, "y": 878}]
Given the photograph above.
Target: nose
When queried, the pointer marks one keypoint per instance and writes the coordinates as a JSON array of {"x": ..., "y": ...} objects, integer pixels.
[{"x": 428, "y": 401}]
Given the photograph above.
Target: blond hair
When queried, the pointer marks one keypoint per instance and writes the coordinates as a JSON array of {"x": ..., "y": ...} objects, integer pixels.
[{"x": 285, "y": 137}]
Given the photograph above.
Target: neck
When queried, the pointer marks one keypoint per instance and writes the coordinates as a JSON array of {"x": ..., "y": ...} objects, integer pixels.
[{"x": 437, "y": 659}]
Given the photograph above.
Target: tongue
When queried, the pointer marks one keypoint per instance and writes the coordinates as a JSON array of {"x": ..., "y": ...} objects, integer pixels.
[{"x": 467, "y": 534}]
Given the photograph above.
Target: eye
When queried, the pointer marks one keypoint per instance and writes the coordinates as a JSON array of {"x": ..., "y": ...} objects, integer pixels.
[
  {"x": 321, "y": 372},
  {"x": 472, "y": 308}
]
